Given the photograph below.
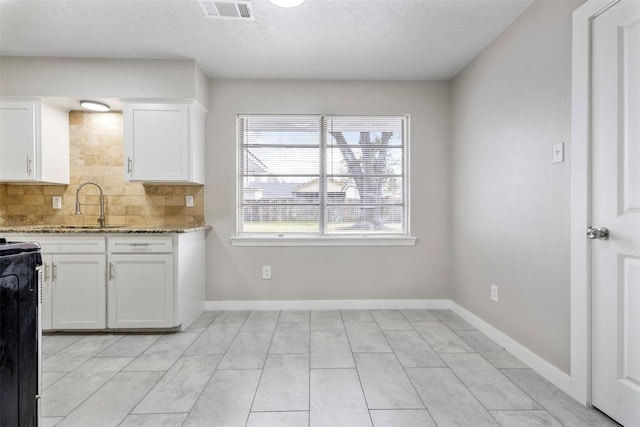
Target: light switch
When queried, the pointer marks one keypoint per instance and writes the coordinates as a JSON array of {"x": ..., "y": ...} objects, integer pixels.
[
  {"x": 57, "y": 202},
  {"x": 557, "y": 153},
  {"x": 189, "y": 201}
]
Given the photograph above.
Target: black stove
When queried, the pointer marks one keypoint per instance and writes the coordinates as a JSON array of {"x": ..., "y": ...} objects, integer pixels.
[{"x": 20, "y": 333}]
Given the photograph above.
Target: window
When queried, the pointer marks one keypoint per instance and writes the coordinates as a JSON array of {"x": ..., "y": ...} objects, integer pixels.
[{"x": 322, "y": 175}]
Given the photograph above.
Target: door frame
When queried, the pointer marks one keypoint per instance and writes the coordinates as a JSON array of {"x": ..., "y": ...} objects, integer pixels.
[{"x": 581, "y": 197}]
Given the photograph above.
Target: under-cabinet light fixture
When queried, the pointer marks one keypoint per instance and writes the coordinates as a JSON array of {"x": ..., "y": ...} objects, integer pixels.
[
  {"x": 94, "y": 106},
  {"x": 287, "y": 3}
]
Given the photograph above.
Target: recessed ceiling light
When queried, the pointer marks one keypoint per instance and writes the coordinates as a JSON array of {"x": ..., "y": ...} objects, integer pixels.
[
  {"x": 94, "y": 106},
  {"x": 287, "y": 3}
]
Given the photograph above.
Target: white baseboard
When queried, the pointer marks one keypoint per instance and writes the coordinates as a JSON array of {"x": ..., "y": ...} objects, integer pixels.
[
  {"x": 535, "y": 362},
  {"x": 348, "y": 304}
]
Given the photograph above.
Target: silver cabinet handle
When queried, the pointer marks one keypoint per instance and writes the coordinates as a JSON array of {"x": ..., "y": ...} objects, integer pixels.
[
  {"x": 28, "y": 166},
  {"x": 110, "y": 271},
  {"x": 597, "y": 233},
  {"x": 129, "y": 166},
  {"x": 54, "y": 271},
  {"x": 46, "y": 272},
  {"x": 139, "y": 244}
]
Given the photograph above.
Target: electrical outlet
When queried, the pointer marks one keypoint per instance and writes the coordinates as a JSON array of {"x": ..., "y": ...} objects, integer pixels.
[
  {"x": 57, "y": 202},
  {"x": 494, "y": 293},
  {"x": 266, "y": 272},
  {"x": 189, "y": 201}
]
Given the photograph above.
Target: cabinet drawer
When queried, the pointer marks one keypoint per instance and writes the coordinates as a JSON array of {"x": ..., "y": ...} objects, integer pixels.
[
  {"x": 56, "y": 244},
  {"x": 140, "y": 244}
]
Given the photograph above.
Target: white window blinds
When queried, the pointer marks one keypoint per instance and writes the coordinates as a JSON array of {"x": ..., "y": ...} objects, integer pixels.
[{"x": 322, "y": 174}]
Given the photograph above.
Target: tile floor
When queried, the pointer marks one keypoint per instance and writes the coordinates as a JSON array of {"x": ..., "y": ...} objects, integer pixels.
[{"x": 301, "y": 368}]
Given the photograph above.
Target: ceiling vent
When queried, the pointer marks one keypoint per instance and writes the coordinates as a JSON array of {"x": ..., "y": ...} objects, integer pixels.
[{"x": 227, "y": 9}]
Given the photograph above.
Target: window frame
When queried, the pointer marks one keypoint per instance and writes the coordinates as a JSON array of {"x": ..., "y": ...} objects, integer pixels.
[{"x": 323, "y": 237}]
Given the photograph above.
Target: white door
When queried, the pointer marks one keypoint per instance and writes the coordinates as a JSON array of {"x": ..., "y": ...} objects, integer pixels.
[{"x": 616, "y": 206}]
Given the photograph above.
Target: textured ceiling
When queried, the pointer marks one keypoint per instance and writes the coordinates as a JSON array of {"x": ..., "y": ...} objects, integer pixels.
[{"x": 322, "y": 39}]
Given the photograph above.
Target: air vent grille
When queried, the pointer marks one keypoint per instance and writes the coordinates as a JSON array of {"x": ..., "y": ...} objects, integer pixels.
[
  {"x": 227, "y": 9},
  {"x": 245, "y": 11}
]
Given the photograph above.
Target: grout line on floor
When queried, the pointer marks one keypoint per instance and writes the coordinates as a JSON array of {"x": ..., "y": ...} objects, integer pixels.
[{"x": 198, "y": 397}]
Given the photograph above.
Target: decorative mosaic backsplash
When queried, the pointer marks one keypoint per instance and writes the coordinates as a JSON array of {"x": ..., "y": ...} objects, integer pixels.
[{"x": 97, "y": 147}]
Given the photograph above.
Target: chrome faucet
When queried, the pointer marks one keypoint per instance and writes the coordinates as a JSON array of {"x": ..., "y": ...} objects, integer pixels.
[{"x": 78, "y": 212}]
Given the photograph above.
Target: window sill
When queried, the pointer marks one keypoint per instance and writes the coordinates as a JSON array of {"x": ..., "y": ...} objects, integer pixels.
[{"x": 323, "y": 241}]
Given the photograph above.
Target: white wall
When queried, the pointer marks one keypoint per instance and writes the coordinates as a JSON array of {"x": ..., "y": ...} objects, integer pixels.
[
  {"x": 510, "y": 204},
  {"x": 420, "y": 271},
  {"x": 102, "y": 78}
]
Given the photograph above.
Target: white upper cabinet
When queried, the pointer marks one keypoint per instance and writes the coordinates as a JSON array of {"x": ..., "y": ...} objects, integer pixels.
[
  {"x": 34, "y": 142},
  {"x": 164, "y": 142}
]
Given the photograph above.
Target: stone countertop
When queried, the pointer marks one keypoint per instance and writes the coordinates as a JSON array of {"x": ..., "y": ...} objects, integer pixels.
[{"x": 76, "y": 229}]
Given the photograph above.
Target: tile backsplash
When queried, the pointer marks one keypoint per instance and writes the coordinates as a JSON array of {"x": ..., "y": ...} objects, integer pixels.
[{"x": 96, "y": 150}]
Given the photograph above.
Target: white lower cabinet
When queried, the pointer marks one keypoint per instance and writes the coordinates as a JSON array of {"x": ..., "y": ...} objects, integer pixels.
[
  {"x": 74, "y": 281},
  {"x": 78, "y": 291},
  {"x": 120, "y": 281},
  {"x": 45, "y": 296},
  {"x": 140, "y": 291}
]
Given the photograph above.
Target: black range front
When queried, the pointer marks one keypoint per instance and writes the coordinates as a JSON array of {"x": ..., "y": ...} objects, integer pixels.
[{"x": 20, "y": 333}]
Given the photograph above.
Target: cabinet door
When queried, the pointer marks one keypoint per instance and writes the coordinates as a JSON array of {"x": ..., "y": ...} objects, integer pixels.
[
  {"x": 17, "y": 141},
  {"x": 45, "y": 296},
  {"x": 140, "y": 291},
  {"x": 156, "y": 142},
  {"x": 79, "y": 291}
]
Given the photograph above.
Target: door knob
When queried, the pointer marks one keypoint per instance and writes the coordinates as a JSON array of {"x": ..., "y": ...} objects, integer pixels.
[{"x": 597, "y": 233}]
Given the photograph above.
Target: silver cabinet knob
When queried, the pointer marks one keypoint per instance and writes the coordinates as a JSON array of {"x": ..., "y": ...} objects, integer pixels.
[{"x": 597, "y": 233}]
